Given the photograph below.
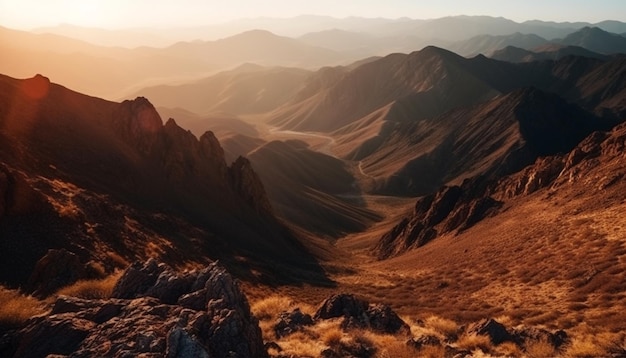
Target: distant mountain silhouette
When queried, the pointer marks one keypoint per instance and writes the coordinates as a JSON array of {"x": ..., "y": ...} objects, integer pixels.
[
  {"x": 596, "y": 40},
  {"x": 118, "y": 167},
  {"x": 486, "y": 44},
  {"x": 247, "y": 89},
  {"x": 542, "y": 53}
]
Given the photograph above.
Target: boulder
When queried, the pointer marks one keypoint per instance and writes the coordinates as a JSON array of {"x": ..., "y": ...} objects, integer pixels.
[
  {"x": 137, "y": 279},
  {"x": 358, "y": 313},
  {"x": 496, "y": 331},
  {"x": 525, "y": 334},
  {"x": 341, "y": 305},
  {"x": 383, "y": 319},
  {"x": 290, "y": 322},
  {"x": 56, "y": 269}
]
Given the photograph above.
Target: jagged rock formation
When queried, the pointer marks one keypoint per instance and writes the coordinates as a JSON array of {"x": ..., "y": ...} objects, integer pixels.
[
  {"x": 115, "y": 179},
  {"x": 451, "y": 208},
  {"x": 358, "y": 313},
  {"x": 200, "y": 313},
  {"x": 595, "y": 161}
]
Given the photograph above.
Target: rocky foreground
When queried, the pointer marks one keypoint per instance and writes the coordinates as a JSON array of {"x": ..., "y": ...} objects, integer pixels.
[
  {"x": 154, "y": 312},
  {"x": 158, "y": 312}
]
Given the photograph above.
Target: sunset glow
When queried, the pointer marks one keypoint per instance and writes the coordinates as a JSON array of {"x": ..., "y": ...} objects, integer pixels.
[{"x": 124, "y": 14}]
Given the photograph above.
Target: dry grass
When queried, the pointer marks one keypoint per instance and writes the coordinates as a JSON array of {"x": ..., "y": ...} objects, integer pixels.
[
  {"x": 16, "y": 308},
  {"x": 92, "y": 289},
  {"x": 590, "y": 342},
  {"x": 332, "y": 336},
  {"x": 269, "y": 308},
  {"x": 443, "y": 326},
  {"x": 300, "y": 344},
  {"x": 540, "y": 349},
  {"x": 472, "y": 342}
]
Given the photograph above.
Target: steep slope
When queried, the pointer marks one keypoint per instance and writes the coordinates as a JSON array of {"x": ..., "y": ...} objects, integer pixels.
[
  {"x": 311, "y": 190},
  {"x": 115, "y": 182},
  {"x": 435, "y": 79},
  {"x": 492, "y": 138},
  {"x": 247, "y": 89},
  {"x": 589, "y": 174}
]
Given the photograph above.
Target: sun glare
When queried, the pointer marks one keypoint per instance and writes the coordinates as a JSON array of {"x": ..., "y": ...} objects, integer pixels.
[{"x": 86, "y": 12}]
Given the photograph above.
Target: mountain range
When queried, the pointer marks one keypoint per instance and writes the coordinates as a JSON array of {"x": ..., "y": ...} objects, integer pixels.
[
  {"x": 186, "y": 57},
  {"x": 456, "y": 168}
]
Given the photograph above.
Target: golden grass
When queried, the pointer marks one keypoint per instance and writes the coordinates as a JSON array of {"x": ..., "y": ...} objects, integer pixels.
[
  {"x": 332, "y": 337},
  {"x": 16, "y": 308},
  {"x": 472, "y": 342},
  {"x": 300, "y": 344},
  {"x": 92, "y": 289},
  {"x": 590, "y": 342},
  {"x": 540, "y": 349},
  {"x": 586, "y": 347},
  {"x": 269, "y": 308},
  {"x": 444, "y": 326}
]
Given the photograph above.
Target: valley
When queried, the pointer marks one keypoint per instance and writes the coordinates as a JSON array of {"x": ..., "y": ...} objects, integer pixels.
[{"x": 452, "y": 187}]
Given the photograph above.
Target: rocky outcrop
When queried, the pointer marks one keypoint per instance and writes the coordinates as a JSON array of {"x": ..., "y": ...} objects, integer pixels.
[
  {"x": 359, "y": 314},
  {"x": 451, "y": 208},
  {"x": 138, "y": 123},
  {"x": 248, "y": 185},
  {"x": 491, "y": 328},
  {"x": 56, "y": 269},
  {"x": 200, "y": 313}
]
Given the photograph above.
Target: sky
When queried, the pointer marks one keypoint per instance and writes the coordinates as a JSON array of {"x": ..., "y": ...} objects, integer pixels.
[{"x": 29, "y": 14}]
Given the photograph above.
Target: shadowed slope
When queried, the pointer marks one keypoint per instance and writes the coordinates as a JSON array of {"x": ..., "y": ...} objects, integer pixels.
[
  {"x": 122, "y": 183},
  {"x": 311, "y": 190}
]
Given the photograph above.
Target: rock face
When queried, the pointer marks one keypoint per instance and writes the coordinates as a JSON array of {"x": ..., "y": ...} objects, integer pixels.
[
  {"x": 451, "y": 208},
  {"x": 358, "y": 313},
  {"x": 200, "y": 313},
  {"x": 594, "y": 162},
  {"x": 54, "y": 270}
]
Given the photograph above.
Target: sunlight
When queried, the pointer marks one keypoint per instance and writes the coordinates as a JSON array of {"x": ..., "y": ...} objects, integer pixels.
[{"x": 86, "y": 12}]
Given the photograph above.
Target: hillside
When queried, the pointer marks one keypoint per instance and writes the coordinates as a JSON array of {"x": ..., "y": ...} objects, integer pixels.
[{"x": 110, "y": 182}]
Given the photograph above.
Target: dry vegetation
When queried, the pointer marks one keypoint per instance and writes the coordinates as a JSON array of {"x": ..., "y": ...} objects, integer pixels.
[
  {"x": 16, "y": 308},
  {"x": 92, "y": 289}
]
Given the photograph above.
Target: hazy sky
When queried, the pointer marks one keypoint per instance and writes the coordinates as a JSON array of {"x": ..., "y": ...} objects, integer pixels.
[{"x": 26, "y": 14}]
